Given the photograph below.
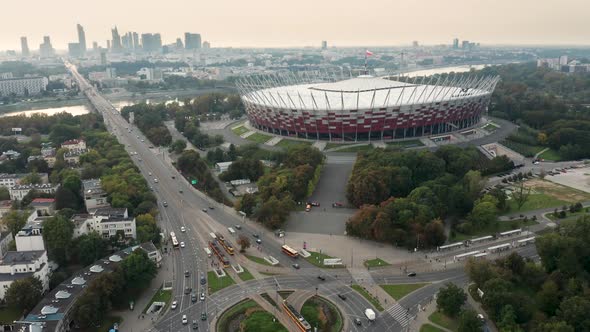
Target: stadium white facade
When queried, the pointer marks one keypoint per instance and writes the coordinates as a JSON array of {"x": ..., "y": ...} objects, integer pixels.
[{"x": 365, "y": 107}]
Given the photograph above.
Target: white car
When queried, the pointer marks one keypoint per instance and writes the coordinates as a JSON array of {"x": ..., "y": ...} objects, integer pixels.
[
  {"x": 182, "y": 229},
  {"x": 182, "y": 244},
  {"x": 184, "y": 319},
  {"x": 150, "y": 173},
  {"x": 174, "y": 305}
]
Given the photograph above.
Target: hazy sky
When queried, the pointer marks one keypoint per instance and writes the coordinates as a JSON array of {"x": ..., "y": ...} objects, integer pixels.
[{"x": 275, "y": 23}]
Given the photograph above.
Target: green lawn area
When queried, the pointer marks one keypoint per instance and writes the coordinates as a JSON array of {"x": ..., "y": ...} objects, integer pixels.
[
  {"x": 525, "y": 150},
  {"x": 430, "y": 328},
  {"x": 317, "y": 259},
  {"x": 356, "y": 148},
  {"x": 405, "y": 144},
  {"x": 401, "y": 290},
  {"x": 490, "y": 127},
  {"x": 368, "y": 296},
  {"x": 216, "y": 284},
  {"x": 550, "y": 155},
  {"x": 377, "y": 262},
  {"x": 269, "y": 299},
  {"x": 501, "y": 226},
  {"x": 258, "y": 138},
  {"x": 227, "y": 315},
  {"x": 444, "y": 321},
  {"x": 311, "y": 312},
  {"x": 258, "y": 260},
  {"x": 336, "y": 145},
  {"x": 246, "y": 275},
  {"x": 262, "y": 321},
  {"x": 289, "y": 143},
  {"x": 240, "y": 130},
  {"x": 160, "y": 296},
  {"x": 9, "y": 315},
  {"x": 568, "y": 215},
  {"x": 536, "y": 201}
]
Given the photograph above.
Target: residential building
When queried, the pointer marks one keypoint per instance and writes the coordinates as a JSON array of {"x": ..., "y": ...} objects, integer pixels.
[
  {"x": 106, "y": 221},
  {"x": 222, "y": 166},
  {"x": 19, "y": 191},
  {"x": 5, "y": 240},
  {"x": 16, "y": 265},
  {"x": 43, "y": 206},
  {"x": 50, "y": 156},
  {"x": 23, "y": 86},
  {"x": 30, "y": 237},
  {"x": 5, "y": 207},
  {"x": 103, "y": 58},
  {"x": 24, "y": 46},
  {"x": 206, "y": 45},
  {"x": 324, "y": 45},
  {"x": 152, "y": 252},
  {"x": 192, "y": 41},
  {"x": 11, "y": 180},
  {"x": 150, "y": 74},
  {"x": 456, "y": 43},
  {"x": 94, "y": 196},
  {"x": 136, "y": 45},
  {"x": 74, "y": 144},
  {"x": 72, "y": 157}
]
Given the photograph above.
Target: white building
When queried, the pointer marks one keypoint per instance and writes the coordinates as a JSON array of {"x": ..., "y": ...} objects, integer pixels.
[
  {"x": 94, "y": 195},
  {"x": 106, "y": 221},
  {"x": 17, "y": 265},
  {"x": 223, "y": 166},
  {"x": 19, "y": 191},
  {"x": 74, "y": 145},
  {"x": 30, "y": 238},
  {"x": 11, "y": 180},
  {"x": 72, "y": 157},
  {"x": 23, "y": 86}
]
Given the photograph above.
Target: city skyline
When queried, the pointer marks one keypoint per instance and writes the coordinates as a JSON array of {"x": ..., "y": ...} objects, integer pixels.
[{"x": 263, "y": 23}]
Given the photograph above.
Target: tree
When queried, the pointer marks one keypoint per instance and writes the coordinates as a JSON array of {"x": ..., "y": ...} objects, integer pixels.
[
  {"x": 549, "y": 297},
  {"x": 178, "y": 146},
  {"x": 243, "y": 242},
  {"x": 15, "y": 221},
  {"x": 67, "y": 199},
  {"x": 57, "y": 234},
  {"x": 521, "y": 195},
  {"x": 147, "y": 229},
  {"x": 574, "y": 311},
  {"x": 507, "y": 322},
  {"x": 32, "y": 178},
  {"x": 450, "y": 299},
  {"x": 4, "y": 194},
  {"x": 247, "y": 204},
  {"x": 138, "y": 269},
  {"x": 554, "y": 326},
  {"x": 24, "y": 293},
  {"x": 469, "y": 322},
  {"x": 484, "y": 213},
  {"x": 90, "y": 248}
]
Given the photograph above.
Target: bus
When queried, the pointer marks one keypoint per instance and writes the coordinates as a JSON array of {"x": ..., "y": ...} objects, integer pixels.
[
  {"x": 208, "y": 252},
  {"x": 301, "y": 323},
  {"x": 290, "y": 251},
  {"x": 174, "y": 240}
]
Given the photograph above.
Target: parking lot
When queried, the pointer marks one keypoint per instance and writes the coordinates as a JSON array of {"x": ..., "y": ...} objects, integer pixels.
[{"x": 578, "y": 178}]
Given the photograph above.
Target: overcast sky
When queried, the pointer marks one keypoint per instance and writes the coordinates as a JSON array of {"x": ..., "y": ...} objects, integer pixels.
[{"x": 276, "y": 23}]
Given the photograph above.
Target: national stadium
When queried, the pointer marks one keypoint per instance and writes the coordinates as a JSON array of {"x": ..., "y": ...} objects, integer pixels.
[{"x": 328, "y": 107}]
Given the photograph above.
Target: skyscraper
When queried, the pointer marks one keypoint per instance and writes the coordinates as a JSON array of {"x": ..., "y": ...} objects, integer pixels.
[
  {"x": 81, "y": 39},
  {"x": 192, "y": 41},
  {"x": 136, "y": 45},
  {"x": 94, "y": 46},
  {"x": 24, "y": 45},
  {"x": 456, "y": 43},
  {"x": 103, "y": 57},
  {"x": 152, "y": 42},
  {"x": 324, "y": 44},
  {"x": 45, "y": 49},
  {"x": 116, "y": 44}
]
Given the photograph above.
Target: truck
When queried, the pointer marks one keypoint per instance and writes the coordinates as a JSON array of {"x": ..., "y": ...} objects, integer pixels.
[{"x": 370, "y": 314}]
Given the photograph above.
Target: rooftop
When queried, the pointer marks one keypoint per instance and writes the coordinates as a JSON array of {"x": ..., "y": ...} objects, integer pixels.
[
  {"x": 110, "y": 212},
  {"x": 72, "y": 142},
  {"x": 21, "y": 257},
  {"x": 34, "y": 186},
  {"x": 43, "y": 201}
]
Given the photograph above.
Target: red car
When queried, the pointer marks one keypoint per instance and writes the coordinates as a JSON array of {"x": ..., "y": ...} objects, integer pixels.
[{"x": 337, "y": 204}]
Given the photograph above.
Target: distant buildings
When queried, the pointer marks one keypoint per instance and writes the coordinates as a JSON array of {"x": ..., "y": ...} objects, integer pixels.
[
  {"x": 24, "y": 46},
  {"x": 563, "y": 65},
  {"x": 206, "y": 45},
  {"x": 46, "y": 49},
  {"x": 324, "y": 44},
  {"x": 192, "y": 41},
  {"x": 26, "y": 86},
  {"x": 116, "y": 42},
  {"x": 150, "y": 74},
  {"x": 456, "y": 43},
  {"x": 74, "y": 50},
  {"x": 19, "y": 191},
  {"x": 152, "y": 42},
  {"x": 11, "y": 180},
  {"x": 81, "y": 40},
  {"x": 74, "y": 144}
]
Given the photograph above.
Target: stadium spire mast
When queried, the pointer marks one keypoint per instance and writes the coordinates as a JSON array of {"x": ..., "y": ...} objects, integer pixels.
[{"x": 367, "y": 54}]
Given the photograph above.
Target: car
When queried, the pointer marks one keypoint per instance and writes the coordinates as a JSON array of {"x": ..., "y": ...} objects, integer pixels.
[
  {"x": 357, "y": 321},
  {"x": 156, "y": 180},
  {"x": 255, "y": 235},
  {"x": 295, "y": 266},
  {"x": 184, "y": 320},
  {"x": 259, "y": 241},
  {"x": 151, "y": 146},
  {"x": 182, "y": 244},
  {"x": 187, "y": 274},
  {"x": 314, "y": 203},
  {"x": 202, "y": 297},
  {"x": 342, "y": 297},
  {"x": 180, "y": 191},
  {"x": 238, "y": 227},
  {"x": 137, "y": 136},
  {"x": 203, "y": 279},
  {"x": 481, "y": 317},
  {"x": 412, "y": 274},
  {"x": 204, "y": 210},
  {"x": 150, "y": 173},
  {"x": 182, "y": 229},
  {"x": 204, "y": 316},
  {"x": 337, "y": 204},
  {"x": 322, "y": 278},
  {"x": 187, "y": 290},
  {"x": 193, "y": 297},
  {"x": 165, "y": 204},
  {"x": 173, "y": 177},
  {"x": 211, "y": 208},
  {"x": 195, "y": 324},
  {"x": 308, "y": 208},
  {"x": 201, "y": 148},
  {"x": 142, "y": 140},
  {"x": 174, "y": 305}
]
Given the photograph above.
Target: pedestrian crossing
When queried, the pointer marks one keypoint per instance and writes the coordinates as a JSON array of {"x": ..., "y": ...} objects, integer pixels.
[{"x": 399, "y": 313}]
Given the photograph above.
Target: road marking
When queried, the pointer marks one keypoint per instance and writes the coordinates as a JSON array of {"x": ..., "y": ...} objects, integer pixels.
[{"x": 399, "y": 313}]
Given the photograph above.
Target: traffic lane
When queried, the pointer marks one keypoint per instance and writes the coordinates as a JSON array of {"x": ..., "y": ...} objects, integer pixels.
[{"x": 388, "y": 276}]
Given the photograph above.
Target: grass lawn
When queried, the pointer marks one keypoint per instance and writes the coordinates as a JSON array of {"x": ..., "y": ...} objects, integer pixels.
[
  {"x": 401, "y": 290},
  {"x": 536, "y": 201},
  {"x": 9, "y": 315},
  {"x": 216, "y": 284},
  {"x": 246, "y": 275},
  {"x": 239, "y": 308},
  {"x": 405, "y": 144},
  {"x": 550, "y": 155},
  {"x": 336, "y": 145},
  {"x": 311, "y": 312},
  {"x": 356, "y": 148},
  {"x": 288, "y": 143},
  {"x": 568, "y": 215},
  {"x": 368, "y": 296},
  {"x": 262, "y": 321},
  {"x": 317, "y": 259},
  {"x": 160, "y": 296},
  {"x": 444, "y": 321},
  {"x": 430, "y": 328},
  {"x": 490, "y": 127},
  {"x": 258, "y": 138},
  {"x": 240, "y": 130},
  {"x": 525, "y": 150},
  {"x": 377, "y": 262},
  {"x": 501, "y": 226},
  {"x": 258, "y": 260}
]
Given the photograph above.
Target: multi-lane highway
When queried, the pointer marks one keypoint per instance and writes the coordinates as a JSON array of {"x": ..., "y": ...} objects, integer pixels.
[{"x": 185, "y": 207}]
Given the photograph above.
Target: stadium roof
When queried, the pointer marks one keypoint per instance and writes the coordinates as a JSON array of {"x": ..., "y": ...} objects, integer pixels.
[{"x": 361, "y": 93}]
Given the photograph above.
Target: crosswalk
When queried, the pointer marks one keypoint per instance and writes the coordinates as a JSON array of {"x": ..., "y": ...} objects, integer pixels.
[{"x": 399, "y": 313}]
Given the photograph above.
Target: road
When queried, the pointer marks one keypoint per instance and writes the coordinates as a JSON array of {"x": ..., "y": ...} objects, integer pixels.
[{"x": 186, "y": 209}]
